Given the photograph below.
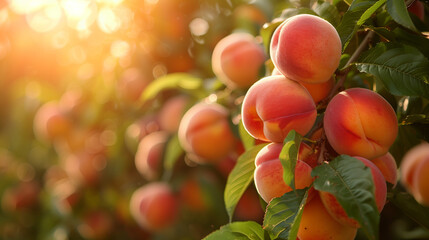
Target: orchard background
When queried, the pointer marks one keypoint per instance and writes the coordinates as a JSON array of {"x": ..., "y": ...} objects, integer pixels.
[{"x": 93, "y": 93}]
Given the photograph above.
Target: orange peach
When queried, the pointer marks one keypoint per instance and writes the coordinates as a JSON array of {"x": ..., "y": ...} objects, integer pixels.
[
  {"x": 50, "y": 123},
  {"x": 148, "y": 159},
  {"x": 205, "y": 133},
  {"x": 249, "y": 207},
  {"x": 154, "y": 206},
  {"x": 388, "y": 167},
  {"x": 317, "y": 224},
  {"x": 337, "y": 211},
  {"x": 237, "y": 60},
  {"x": 318, "y": 91},
  {"x": 360, "y": 122},
  {"x": 275, "y": 105},
  {"x": 268, "y": 174},
  {"x": 414, "y": 170},
  {"x": 171, "y": 113},
  {"x": 306, "y": 48}
]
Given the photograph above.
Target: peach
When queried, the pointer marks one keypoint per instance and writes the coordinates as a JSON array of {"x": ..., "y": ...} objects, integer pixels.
[
  {"x": 268, "y": 175},
  {"x": 318, "y": 91},
  {"x": 148, "y": 159},
  {"x": 23, "y": 196},
  {"x": 417, "y": 8},
  {"x": 96, "y": 225},
  {"x": 308, "y": 154},
  {"x": 249, "y": 207},
  {"x": 50, "y": 123},
  {"x": 360, "y": 122},
  {"x": 131, "y": 84},
  {"x": 414, "y": 171},
  {"x": 154, "y": 206},
  {"x": 205, "y": 133},
  {"x": 388, "y": 167},
  {"x": 306, "y": 48},
  {"x": 337, "y": 211},
  {"x": 317, "y": 224},
  {"x": 237, "y": 60},
  {"x": 172, "y": 112},
  {"x": 275, "y": 105}
]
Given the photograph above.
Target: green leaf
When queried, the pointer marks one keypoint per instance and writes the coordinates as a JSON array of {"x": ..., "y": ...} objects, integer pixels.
[
  {"x": 240, "y": 178},
  {"x": 328, "y": 11},
  {"x": 288, "y": 157},
  {"x": 183, "y": 81},
  {"x": 283, "y": 214},
  {"x": 172, "y": 153},
  {"x": 398, "y": 11},
  {"x": 350, "y": 181},
  {"x": 238, "y": 231},
  {"x": 354, "y": 15},
  {"x": 402, "y": 69},
  {"x": 370, "y": 11},
  {"x": 247, "y": 140},
  {"x": 410, "y": 207}
]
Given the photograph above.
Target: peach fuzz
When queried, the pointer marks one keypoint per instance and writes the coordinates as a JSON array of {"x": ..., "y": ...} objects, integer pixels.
[
  {"x": 205, "y": 133},
  {"x": 360, "y": 122},
  {"x": 172, "y": 112},
  {"x": 380, "y": 190},
  {"x": 50, "y": 123},
  {"x": 268, "y": 175},
  {"x": 414, "y": 172},
  {"x": 318, "y": 91},
  {"x": 237, "y": 60},
  {"x": 275, "y": 105},
  {"x": 306, "y": 48},
  {"x": 388, "y": 167},
  {"x": 317, "y": 224},
  {"x": 148, "y": 159},
  {"x": 154, "y": 206}
]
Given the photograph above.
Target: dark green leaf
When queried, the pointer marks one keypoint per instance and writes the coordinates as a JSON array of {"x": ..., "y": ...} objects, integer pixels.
[
  {"x": 240, "y": 178},
  {"x": 288, "y": 157},
  {"x": 183, "y": 81},
  {"x": 328, "y": 12},
  {"x": 398, "y": 11},
  {"x": 350, "y": 181},
  {"x": 402, "y": 69},
  {"x": 238, "y": 231},
  {"x": 349, "y": 24},
  {"x": 410, "y": 207},
  {"x": 283, "y": 214},
  {"x": 408, "y": 136}
]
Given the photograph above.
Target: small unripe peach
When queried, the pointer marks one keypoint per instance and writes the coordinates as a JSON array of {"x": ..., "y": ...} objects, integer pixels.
[
  {"x": 337, "y": 211},
  {"x": 154, "y": 206},
  {"x": 148, "y": 159},
  {"x": 205, "y": 133},
  {"x": 237, "y": 60},
  {"x": 317, "y": 224},
  {"x": 306, "y": 48},
  {"x": 275, "y": 105},
  {"x": 268, "y": 174},
  {"x": 360, "y": 122},
  {"x": 415, "y": 172}
]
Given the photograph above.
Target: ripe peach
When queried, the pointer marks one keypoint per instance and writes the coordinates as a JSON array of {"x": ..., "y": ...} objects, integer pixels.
[
  {"x": 414, "y": 170},
  {"x": 318, "y": 91},
  {"x": 249, "y": 207},
  {"x": 268, "y": 174},
  {"x": 308, "y": 154},
  {"x": 306, "y": 48},
  {"x": 148, "y": 159},
  {"x": 205, "y": 133},
  {"x": 317, "y": 223},
  {"x": 237, "y": 60},
  {"x": 275, "y": 105},
  {"x": 388, "y": 167},
  {"x": 23, "y": 196},
  {"x": 337, "y": 211},
  {"x": 171, "y": 113},
  {"x": 96, "y": 225},
  {"x": 137, "y": 130},
  {"x": 360, "y": 122},
  {"x": 417, "y": 8},
  {"x": 50, "y": 123},
  {"x": 154, "y": 206}
]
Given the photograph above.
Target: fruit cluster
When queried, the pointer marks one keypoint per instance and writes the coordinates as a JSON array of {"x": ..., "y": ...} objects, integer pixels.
[{"x": 306, "y": 51}]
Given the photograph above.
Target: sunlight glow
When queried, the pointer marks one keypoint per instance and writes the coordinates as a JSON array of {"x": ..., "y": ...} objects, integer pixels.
[
  {"x": 45, "y": 19},
  {"x": 81, "y": 14},
  {"x": 108, "y": 21},
  {"x": 119, "y": 48}
]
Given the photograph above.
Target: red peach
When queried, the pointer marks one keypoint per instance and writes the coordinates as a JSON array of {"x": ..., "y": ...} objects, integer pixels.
[
  {"x": 268, "y": 174},
  {"x": 50, "y": 123},
  {"x": 388, "y": 167},
  {"x": 417, "y": 8},
  {"x": 205, "y": 133},
  {"x": 275, "y": 105},
  {"x": 360, "y": 122},
  {"x": 237, "y": 60},
  {"x": 148, "y": 159},
  {"x": 306, "y": 48}
]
